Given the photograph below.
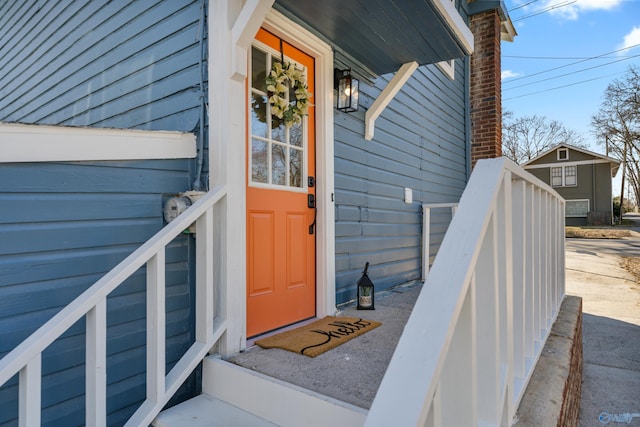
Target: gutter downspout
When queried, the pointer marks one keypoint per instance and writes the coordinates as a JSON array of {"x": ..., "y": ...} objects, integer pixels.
[
  {"x": 467, "y": 115},
  {"x": 204, "y": 107},
  {"x": 593, "y": 188}
]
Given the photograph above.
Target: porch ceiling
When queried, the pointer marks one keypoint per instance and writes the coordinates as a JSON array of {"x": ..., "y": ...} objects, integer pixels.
[{"x": 380, "y": 35}]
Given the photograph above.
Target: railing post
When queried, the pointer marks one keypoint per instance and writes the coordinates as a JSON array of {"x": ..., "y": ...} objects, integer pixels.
[
  {"x": 529, "y": 273},
  {"x": 561, "y": 249},
  {"x": 30, "y": 385},
  {"x": 485, "y": 279},
  {"x": 204, "y": 277},
  {"x": 537, "y": 267},
  {"x": 426, "y": 238},
  {"x": 458, "y": 385},
  {"x": 96, "y": 365},
  {"x": 156, "y": 326},
  {"x": 508, "y": 345},
  {"x": 519, "y": 244},
  {"x": 546, "y": 318}
]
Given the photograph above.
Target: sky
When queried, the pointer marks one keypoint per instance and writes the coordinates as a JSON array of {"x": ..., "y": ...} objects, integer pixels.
[{"x": 564, "y": 56}]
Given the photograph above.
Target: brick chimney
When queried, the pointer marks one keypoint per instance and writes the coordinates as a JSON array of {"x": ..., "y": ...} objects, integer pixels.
[{"x": 489, "y": 24}]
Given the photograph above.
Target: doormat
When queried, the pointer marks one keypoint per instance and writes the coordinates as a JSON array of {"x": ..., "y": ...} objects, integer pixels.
[{"x": 320, "y": 336}]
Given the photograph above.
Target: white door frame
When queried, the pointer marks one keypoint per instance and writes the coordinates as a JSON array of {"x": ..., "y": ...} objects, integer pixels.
[{"x": 229, "y": 50}]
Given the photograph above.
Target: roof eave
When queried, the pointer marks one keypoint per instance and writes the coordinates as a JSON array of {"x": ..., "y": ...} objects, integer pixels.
[
  {"x": 457, "y": 25},
  {"x": 507, "y": 30}
]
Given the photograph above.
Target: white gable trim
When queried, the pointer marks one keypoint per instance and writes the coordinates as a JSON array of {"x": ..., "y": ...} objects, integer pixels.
[
  {"x": 38, "y": 143},
  {"x": 560, "y": 164},
  {"x": 570, "y": 147}
]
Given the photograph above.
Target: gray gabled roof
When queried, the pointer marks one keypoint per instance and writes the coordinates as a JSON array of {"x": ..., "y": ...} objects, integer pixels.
[{"x": 615, "y": 162}]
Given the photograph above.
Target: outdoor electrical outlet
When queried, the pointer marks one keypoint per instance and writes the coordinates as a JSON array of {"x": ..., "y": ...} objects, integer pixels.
[{"x": 408, "y": 195}]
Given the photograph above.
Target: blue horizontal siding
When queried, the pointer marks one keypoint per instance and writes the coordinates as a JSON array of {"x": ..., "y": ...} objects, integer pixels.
[
  {"x": 62, "y": 227},
  {"x": 124, "y": 64},
  {"x": 89, "y": 178},
  {"x": 117, "y": 64},
  {"x": 419, "y": 143}
]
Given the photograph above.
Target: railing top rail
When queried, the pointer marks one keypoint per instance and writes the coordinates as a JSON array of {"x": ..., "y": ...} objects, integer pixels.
[
  {"x": 37, "y": 342},
  {"x": 439, "y": 205},
  {"x": 428, "y": 332}
]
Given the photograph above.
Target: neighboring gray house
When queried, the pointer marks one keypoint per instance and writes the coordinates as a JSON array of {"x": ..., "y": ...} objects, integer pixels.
[
  {"x": 80, "y": 194},
  {"x": 583, "y": 178}
]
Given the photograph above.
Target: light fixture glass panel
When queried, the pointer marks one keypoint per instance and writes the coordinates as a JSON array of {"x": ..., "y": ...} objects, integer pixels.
[
  {"x": 347, "y": 91},
  {"x": 355, "y": 94},
  {"x": 344, "y": 90}
]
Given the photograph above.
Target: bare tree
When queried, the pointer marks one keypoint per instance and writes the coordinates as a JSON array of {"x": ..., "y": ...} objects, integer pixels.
[
  {"x": 524, "y": 138},
  {"x": 617, "y": 125}
]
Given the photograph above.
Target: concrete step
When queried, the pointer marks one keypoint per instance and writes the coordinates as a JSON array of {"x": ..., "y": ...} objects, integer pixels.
[
  {"x": 207, "y": 411},
  {"x": 236, "y": 396}
]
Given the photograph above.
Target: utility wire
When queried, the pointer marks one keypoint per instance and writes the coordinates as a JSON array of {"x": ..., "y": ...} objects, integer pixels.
[
  {"x": 523, "y": 5},
  {"x": 572, "y": 73},
  {"x": 545, "y": 10},
  {"x": 562, "y": 87},
  {"x": 560, "y": 57},
  {"x": 573, "y": 63}
]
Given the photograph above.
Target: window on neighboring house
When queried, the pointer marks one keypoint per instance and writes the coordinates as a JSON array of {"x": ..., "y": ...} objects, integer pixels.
[
  {"x": 570, "y": 176},
  {"x": 556, "y": 177},
  {"x": 563, "y": 154},
  {"x": 564, "y": 176},
  {"x": 576, "y": 208}
]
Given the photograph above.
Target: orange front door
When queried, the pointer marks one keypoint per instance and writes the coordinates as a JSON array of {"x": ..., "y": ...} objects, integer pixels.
[{"x": 281, "y": 231}]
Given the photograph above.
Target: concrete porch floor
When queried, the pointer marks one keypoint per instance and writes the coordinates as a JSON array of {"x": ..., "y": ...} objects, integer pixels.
[{"x": 351, "y": 372}]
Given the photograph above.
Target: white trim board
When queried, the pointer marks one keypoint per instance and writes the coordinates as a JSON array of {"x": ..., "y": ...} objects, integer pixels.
[
  {"x": 227, "y": 157},
  {"x": 20, "y": 143},
  {"x": 448, "y": 68},
  {"x": 450, "y": 14},
  {"x": 561, "y": 164}
]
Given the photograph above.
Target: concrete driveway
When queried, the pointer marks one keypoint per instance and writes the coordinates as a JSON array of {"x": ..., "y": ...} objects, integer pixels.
[{"x": 611, "y": 329}]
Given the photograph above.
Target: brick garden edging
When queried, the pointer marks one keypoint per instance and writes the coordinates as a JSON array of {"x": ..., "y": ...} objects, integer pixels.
[{"x": 552, "y": 397}]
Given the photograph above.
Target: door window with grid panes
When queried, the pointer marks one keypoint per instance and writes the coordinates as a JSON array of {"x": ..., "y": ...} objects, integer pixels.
[{"x": 277, "y": 156}]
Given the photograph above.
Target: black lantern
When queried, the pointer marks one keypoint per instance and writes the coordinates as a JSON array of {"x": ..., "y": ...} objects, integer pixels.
[
  {"x": 365, "y": 291},
  {"x": 346, "y": 88}
]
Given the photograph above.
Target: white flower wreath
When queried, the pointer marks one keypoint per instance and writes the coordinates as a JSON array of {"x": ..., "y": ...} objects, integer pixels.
[{"x": 281, "y": 78}]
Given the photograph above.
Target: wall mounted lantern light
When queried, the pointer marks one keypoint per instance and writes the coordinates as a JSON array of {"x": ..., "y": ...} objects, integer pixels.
[{"x": 346, "y": 91}]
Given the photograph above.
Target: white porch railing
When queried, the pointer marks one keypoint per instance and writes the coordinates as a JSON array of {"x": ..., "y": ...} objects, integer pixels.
[
  {"x": 26, "y": 358},
  {"x": 426, "y": 231},
  {"x": 485, "y": 310}
]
